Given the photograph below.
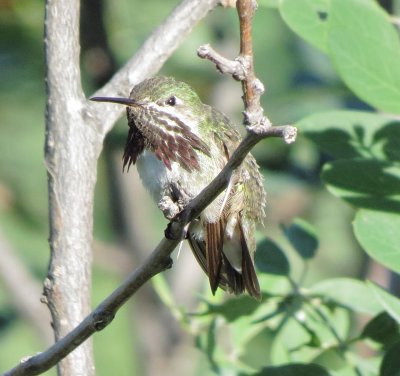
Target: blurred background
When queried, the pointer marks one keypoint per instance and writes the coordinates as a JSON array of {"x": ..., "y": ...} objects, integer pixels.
[{"x": 146, "y": 336}]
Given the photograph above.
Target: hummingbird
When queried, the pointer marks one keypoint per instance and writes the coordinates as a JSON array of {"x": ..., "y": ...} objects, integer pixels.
[{"x": 179, "y": 145}]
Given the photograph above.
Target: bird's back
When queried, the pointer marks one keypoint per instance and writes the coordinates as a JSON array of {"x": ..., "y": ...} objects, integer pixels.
[{"x": 227, "y": 248}]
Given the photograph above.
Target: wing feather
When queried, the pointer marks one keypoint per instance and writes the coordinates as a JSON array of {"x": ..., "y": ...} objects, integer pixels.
[
  {"x": 214, "y": 242},
  {"x": 248, "y": 272}
]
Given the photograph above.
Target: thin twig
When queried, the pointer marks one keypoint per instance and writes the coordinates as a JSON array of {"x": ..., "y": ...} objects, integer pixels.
[
  {"x": 158, "y": 261},
  {"x": 342, "y": 345},
  {"x": 224, "y": 65},
  {"x": 242, "y": 69},
  {"x": 252, "y": 87}
]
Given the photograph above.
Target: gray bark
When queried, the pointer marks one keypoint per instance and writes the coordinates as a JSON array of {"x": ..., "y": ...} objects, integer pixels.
[{"x": 71, "y": 150}]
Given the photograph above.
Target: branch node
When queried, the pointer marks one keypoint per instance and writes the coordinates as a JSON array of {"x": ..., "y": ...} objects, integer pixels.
[
  {"x": 169, "y": 208},
  {"x": 47, "y": 288},
  {"x": 236, "y": 67},
  {"x": 254, "y": 5},
  {"x": 47, "y": 283},
  {"x": 25, "y": 359},
  {"x": 258, "y": 86},
  {"x": 242, "y": 69},
  {"x": 203, "y": 51},
  {"x": 258, "y": 127},
  {"x": 289, "y": 134},
  {"x": 244, "y": 63},
  {"x": 253, "y": 118},
  {"x": 228, "y": 3},
  {"x": 43, "y": 299},
  {"x": 102, "y": 319}
]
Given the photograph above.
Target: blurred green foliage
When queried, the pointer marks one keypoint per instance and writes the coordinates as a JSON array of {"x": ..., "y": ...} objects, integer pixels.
[{"x": 309, "y": 311}]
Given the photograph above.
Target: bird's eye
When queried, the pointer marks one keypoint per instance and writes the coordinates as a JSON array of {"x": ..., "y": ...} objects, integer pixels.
[{"x": 171, "y": 101}]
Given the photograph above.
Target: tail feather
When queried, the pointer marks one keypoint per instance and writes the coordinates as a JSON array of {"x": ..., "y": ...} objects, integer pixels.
[
  {"x": 234, "y": 278},
  {"x": 249, "y": 275},
  {"x": 210, "y": 256},
  {"x": 214, "y": 244}
]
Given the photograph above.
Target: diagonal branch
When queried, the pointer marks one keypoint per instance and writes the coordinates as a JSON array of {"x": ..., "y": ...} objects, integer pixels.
[{"x": 158, "y": 261}]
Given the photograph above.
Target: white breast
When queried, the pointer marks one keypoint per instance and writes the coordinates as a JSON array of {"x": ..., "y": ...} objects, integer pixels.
[
  {"x": 157, "y": 179},
  {"x": 153, "y": 174}
]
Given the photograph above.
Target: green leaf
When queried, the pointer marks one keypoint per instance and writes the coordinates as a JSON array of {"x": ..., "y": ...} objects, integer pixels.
[
  {"x": 391, "y": 362},
  {"x": 354, "y": 134},
  {"x": 233, "y": 308},
  {"x": 331, "y": 358},
  {"x": 382, "y": 329},
  {"x": 308, "y": 18},
  {"x": 347, "y": 292},
  {"x": 378, "y": 234},
  {"x": 256, "y": 350},
  {"x": 388, "y": 301},
  {"x": 211, "y": 345},
  {"x": 366, "y": 183},
  {"x": 293, "y": 370},
  {"x": 268, "y": 3},
  {"x": 164, "y": 292},
  {"x": 366, "y": 176},
  {"x": 206, "y": 342},
  {"x": 365, "y": 48},
  {"x": 368, "y": 366},
  {"x": 270, "y": 258},
  {"x": 303, "y": 237}
]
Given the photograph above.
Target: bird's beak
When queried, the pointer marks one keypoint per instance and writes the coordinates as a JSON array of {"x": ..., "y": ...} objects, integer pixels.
[{"x": 124, "y": 101}]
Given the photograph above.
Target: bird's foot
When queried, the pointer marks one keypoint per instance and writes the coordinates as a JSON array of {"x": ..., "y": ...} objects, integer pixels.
[{"x": 169, "y": 208}]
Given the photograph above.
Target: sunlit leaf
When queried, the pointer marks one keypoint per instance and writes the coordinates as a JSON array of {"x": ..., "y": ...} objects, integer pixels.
[
  {"x": 365, "y": 183},
  {"x": 233, "y": 308},
  {"x": 368, "y": 176},
  {"x": 378, "y": 234},
  {"x": 365, "y": 48},
  {"x": 256, "y": 352},
  {"x": 308, "y": 18},
  {"x": 347, "y": 292},
  {"x": 331, "y": 358},
  {"x": 268, "y": 3},
  {"x": 354, "y": 134},
  {"x": 388, "y": 301},
  {"x": 206, "y": 342}
]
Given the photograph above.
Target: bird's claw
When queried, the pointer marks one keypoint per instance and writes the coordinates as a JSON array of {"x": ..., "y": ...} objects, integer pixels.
[{"x": 169, "y": 208}]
